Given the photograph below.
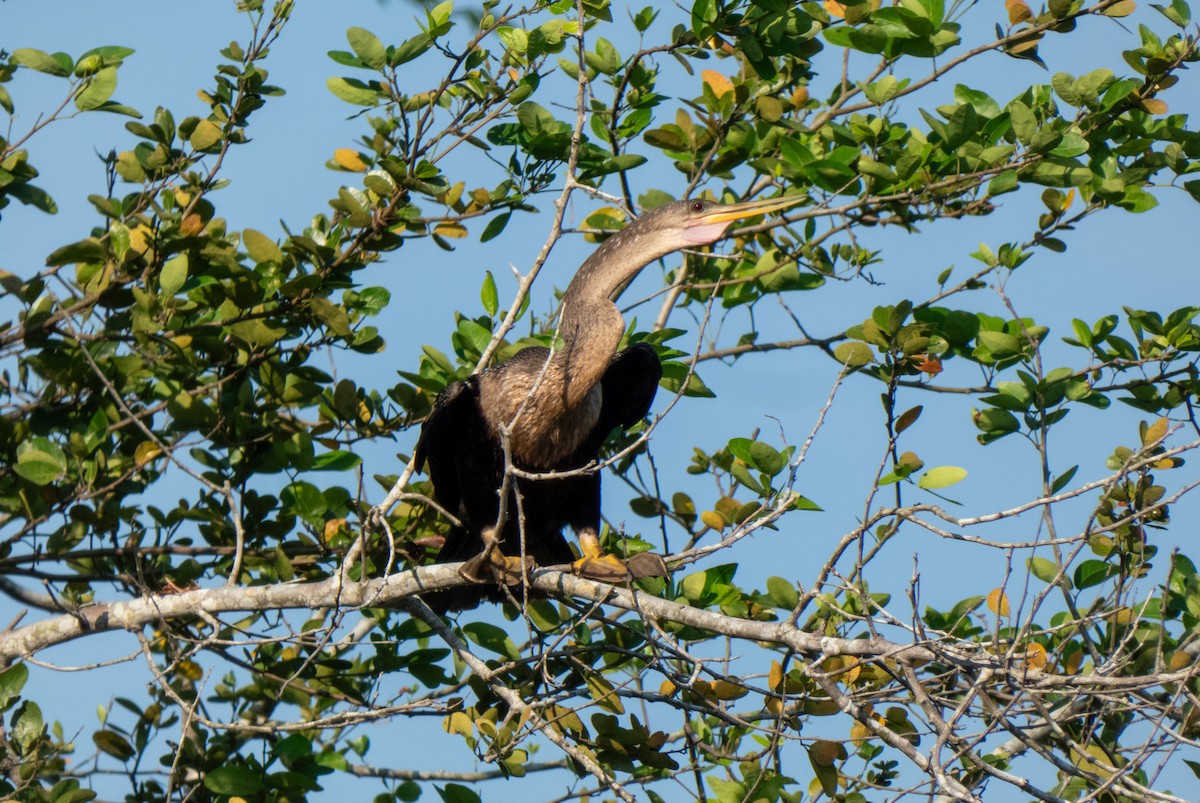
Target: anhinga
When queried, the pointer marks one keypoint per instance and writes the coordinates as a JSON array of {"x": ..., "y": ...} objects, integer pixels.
[{"x": 558, "y": 407}]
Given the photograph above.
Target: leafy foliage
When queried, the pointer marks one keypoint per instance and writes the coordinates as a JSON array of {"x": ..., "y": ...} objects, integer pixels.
[{"x": 168, "y": 353}]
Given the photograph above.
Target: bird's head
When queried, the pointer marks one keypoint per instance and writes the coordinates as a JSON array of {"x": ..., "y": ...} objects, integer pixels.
[{"x": 696, "y": 221}]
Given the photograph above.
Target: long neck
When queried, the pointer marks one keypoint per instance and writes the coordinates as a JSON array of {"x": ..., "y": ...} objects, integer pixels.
[{"x": 591, "y": 325}]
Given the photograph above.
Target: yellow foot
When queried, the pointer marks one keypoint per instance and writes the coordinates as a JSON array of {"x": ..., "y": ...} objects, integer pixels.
[
  {"x": 611, "y": 569},
  {"x": 496, "y": 568}
]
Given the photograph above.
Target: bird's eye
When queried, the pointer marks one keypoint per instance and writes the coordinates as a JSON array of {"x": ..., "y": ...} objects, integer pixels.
[{"x": 697, "y": 206}]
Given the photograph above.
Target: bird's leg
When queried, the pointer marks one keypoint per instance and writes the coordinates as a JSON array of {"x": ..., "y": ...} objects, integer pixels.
[
  {"x": 493, "y": 566},
  {"x": 595, "y": 565}
]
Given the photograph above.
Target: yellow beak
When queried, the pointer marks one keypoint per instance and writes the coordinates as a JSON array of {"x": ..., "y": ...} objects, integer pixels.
[{"x": 727, "y": 213}]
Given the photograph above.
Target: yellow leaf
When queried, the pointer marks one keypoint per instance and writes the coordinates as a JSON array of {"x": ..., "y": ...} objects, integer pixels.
[
  {"x": 719, "y": 84},
  {"x": 349, "y": 159},
  {"x": 1074, "y": 661},
  {"x": 145, "y": 452},
  {"x": 775, "y": 677},
  {"x": 724, "y": 690},
  {"x": 775, "y": 706},
  {"x": 859, "y": 733},
  {"x": 604, "y": 694},
  {"x": 1035, "y": 656},
  {"x": 451, "y": 196},
  {"x": 1155, "y": 432},
  {"x": 667, "y": 688},
  {"x": 455, "y": 231},
  {"x": 1122, "y": 615},
  {"x": 1094, "y": 759},
  {"x": 564, "y": 719},
  {"x": 332, "y": 527},
  {"x": 835, "y": 8},
  {"x": 190, "y": 670},
  {"x": 1121, "y": 9},
  {"x": 141, "y": 241},
  {"x": 1179, "y": 660},
  {"x": 997, "y": 602},
  {"x": 713, "y": 519},
  {"x": 1154, "y": 106}
]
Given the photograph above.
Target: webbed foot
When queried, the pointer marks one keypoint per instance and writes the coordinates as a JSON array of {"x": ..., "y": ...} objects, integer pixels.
[
  {"x": 595, "y": 565},
  {"x": 492, "y": 567}
]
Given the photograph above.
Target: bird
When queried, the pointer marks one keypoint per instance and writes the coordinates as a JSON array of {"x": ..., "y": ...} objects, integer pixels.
[{"x": 551, "y": 410}]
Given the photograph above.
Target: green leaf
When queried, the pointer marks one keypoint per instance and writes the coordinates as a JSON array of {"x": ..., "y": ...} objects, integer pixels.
[
  {"x": 1002, "y": 183},
  {"x": 1061, "y": 481},
  {"x": 205, "y": 135},
  {"x": 352, "y": 91},
  {"x": 1043, "y": 569},
  {"x": 114, "y": 744},
  {"x": 12, "y": 680},
  {"x": 40, "y": 461},
  {"x": 941, "y": 477},
  {"x": 782, "y": 593},
  {"x": 1093, "y": 573},
  {"x": 488, "y": 294},
  {"x": 367, "y": 47},
  {"x": 336, "y": 461},
  {"x": 409, "y": 50},
  {"x": 1000, "y": 344},
  {"x": 97, "y": 90},
  {"x": 260, "y": 247},
  {"x": 174, "y": 274},
  {"x": 27, "y": 724},
  {"x": 853, "y": 353},
  {"x": 457, "y": 793},
  {"x": 1178, "y": 12},
  {"x": 232, "y": 779},
  {"x": 494, "y": 227},
  {"x": 35, "y": 197},
  {"x": 493, "y": 638},
  {"x": 306, "y": 501},
  {"x": 41, "y": 61}
]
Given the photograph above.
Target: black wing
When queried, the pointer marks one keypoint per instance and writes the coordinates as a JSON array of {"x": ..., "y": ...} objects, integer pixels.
[
  {"x": 629, "y": 386},
  {"x": 463, "y": 465}
]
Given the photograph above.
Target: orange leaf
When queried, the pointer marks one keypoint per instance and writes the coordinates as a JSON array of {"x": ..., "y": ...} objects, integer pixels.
[
  {"x": 775, "y": 677},
  {"x": 348, "y": 159},
  {"x": 997, "y": 602},
  {"x": 1154, "y": 106},
  {"x": 1035, "y": 656},
  {"x": 1018, "y": 11},
  {"x": 835, "y": 8},
  {"x": 928, "y": 365},
  {"x": 719, "y": 84}
]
